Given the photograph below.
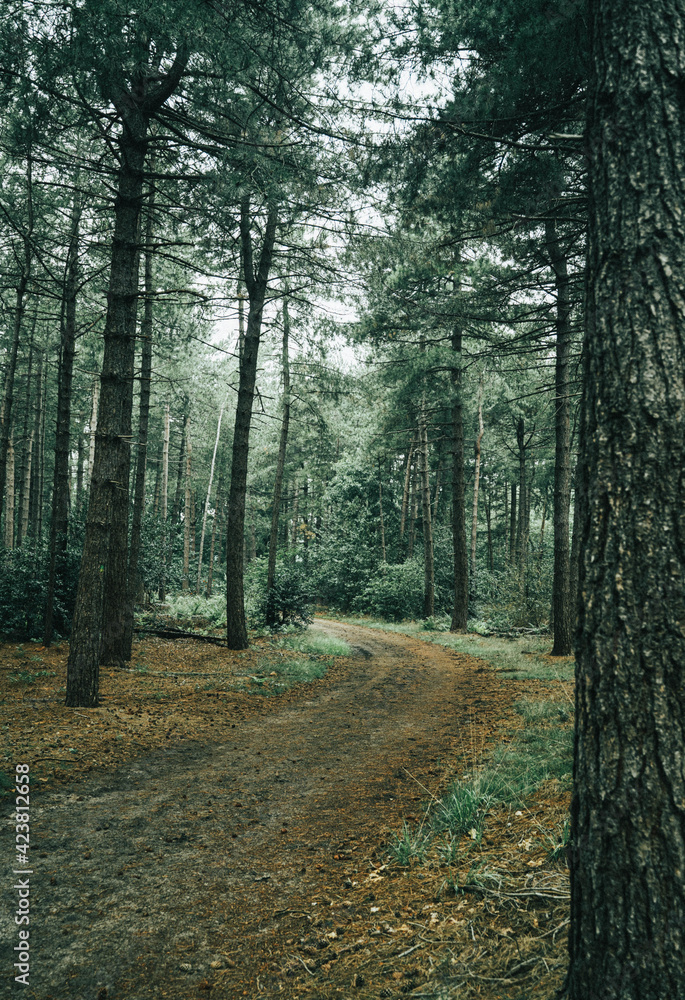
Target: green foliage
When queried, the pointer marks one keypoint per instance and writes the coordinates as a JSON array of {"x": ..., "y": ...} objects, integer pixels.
[
  {"x": 289, "y": 603},
  {"x": 23, "y": 590},
  {"x": 195, "y": 609},
  {"x": 393, "y": 592}
]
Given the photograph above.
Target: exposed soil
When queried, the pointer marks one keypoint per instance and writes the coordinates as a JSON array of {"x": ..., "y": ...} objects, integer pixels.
[{"x": 250, "y": 860}]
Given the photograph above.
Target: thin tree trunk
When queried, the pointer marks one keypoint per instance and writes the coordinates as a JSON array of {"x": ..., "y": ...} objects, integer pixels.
[
  {"x": 11, "y": 363},
  {"x": 236, "y": 630},
  {"x": 206, "y": 510},
  {"x": 405, "y": 494},
  {"x": 522, "y": 525},
  {"x": 562, "y": 610},
  {"x": 412, "y": 510},
  {"x": 380, "y": 508},
  {"x": 436, "y": 495},
  {"x": 216, "y": 529},
  {"x": 488, "y": 515},
  {"x": 80, "y": 458},
  {"x": 512, "y": 526},
  {"x": 180, "y": 468},
  {"x": 135, "y": 581},
  {"x": 280, "y": 463},
  {"x": 23, "y": 519},
  {"x": 187, "y": 512},
  {"x": 59, "y": 520},
  {"x": 9, "y": 494},
  {"x": 627, "y": 844},
  {"x": 428, "y": 567},
  {"x": 95, "y": 406},
  {"x": 27, "y": 451},
  {"x": 163, "y": 504},
  {"x": 476, "y": 484},
  {"x": 38, "y": 464},
  {"x": 460, "y": 610}
]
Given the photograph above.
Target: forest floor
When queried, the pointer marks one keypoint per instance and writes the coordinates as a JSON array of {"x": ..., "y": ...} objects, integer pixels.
[{"x": 200, "y": 834}]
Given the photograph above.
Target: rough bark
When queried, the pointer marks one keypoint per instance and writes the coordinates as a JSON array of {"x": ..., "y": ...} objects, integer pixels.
[
  {"x": 256, "y": 284},
  {"x": 59, "y": 520},
  {"x": 94, "y": 634},
  {"x": 460, "y": 610},
  {"x": 512, "y": 525},
  {"x": 627, "y": 854},
  {"x": 562, "y": 610},
  {"x": 280, "y": 462}
]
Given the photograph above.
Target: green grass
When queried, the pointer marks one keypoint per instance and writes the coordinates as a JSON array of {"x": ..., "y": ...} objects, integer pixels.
[{"x": 316, "y": 643}]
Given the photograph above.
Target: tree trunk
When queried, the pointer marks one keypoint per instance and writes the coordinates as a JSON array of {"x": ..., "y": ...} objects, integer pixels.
[
  {"x": 95, "y": 406},
  {"x": 104, "y": 550},
  {"x": 405, "y": 493},
  {"x": 206, "y": 510},
  {"x": 38, "y": 463},
  {"x": 27, "y": 451},
  {"x": 163, "y": 505},
  {"x": 135, "y": 581},
  {"x": 512, "y": 525},
  {"x": 428, "y": 566},
  {"x": 236, "y": 630},
  {"x": 380, "y": 508},
  {"x": 460, "y": 611},
  {"x": 11, "y": 363},
  {"x": 627, "y": 854},
  {"x": 9, "y": 495},
  {"x": 187, "y": 512},
  {"x": 180, "y": 468},
  {"x": 216, "y": 528},
  {"x": 522, "y": 523},
  {"x": 59, "y": 520},
  {"x": 280, "y": 464},
  {"x": 562, "y": 611},
  {"x": 476, "y": 484}
]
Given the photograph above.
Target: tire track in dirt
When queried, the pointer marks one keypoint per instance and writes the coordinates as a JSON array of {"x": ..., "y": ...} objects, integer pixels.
[{"x": 171, "y": 872}]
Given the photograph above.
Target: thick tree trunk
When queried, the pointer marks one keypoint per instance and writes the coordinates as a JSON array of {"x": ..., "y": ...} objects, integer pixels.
[
  {"x": 59, "y": 521},
  {"x": 280, "y": 465},
  {"x": 476, "y": 484},
  {"x": 135, "y": 581},
  {"x": 236, "y": 630},
  {"x": 104, "y": 550},
  {"x": 460, "y": 611},
  {"x": 562, "y": 610},
  {"x": 627, "y": 855}
]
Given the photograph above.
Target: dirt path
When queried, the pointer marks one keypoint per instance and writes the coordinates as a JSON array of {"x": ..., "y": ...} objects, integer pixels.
[{"x": 191, "y": 869}]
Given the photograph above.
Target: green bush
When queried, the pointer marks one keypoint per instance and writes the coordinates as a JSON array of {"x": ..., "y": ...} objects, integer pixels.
[
  {"x": 23, "y": 592},
  {"x": 393, "y": 592},
  {"x": 288, "y": 603}
]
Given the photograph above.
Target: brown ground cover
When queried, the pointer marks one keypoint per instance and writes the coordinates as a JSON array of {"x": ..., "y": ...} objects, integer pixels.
[{"x": 194, "y": 836}]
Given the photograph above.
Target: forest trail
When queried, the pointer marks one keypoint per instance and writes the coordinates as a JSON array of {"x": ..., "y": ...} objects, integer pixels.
[{"x": 197, "y": 868}]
